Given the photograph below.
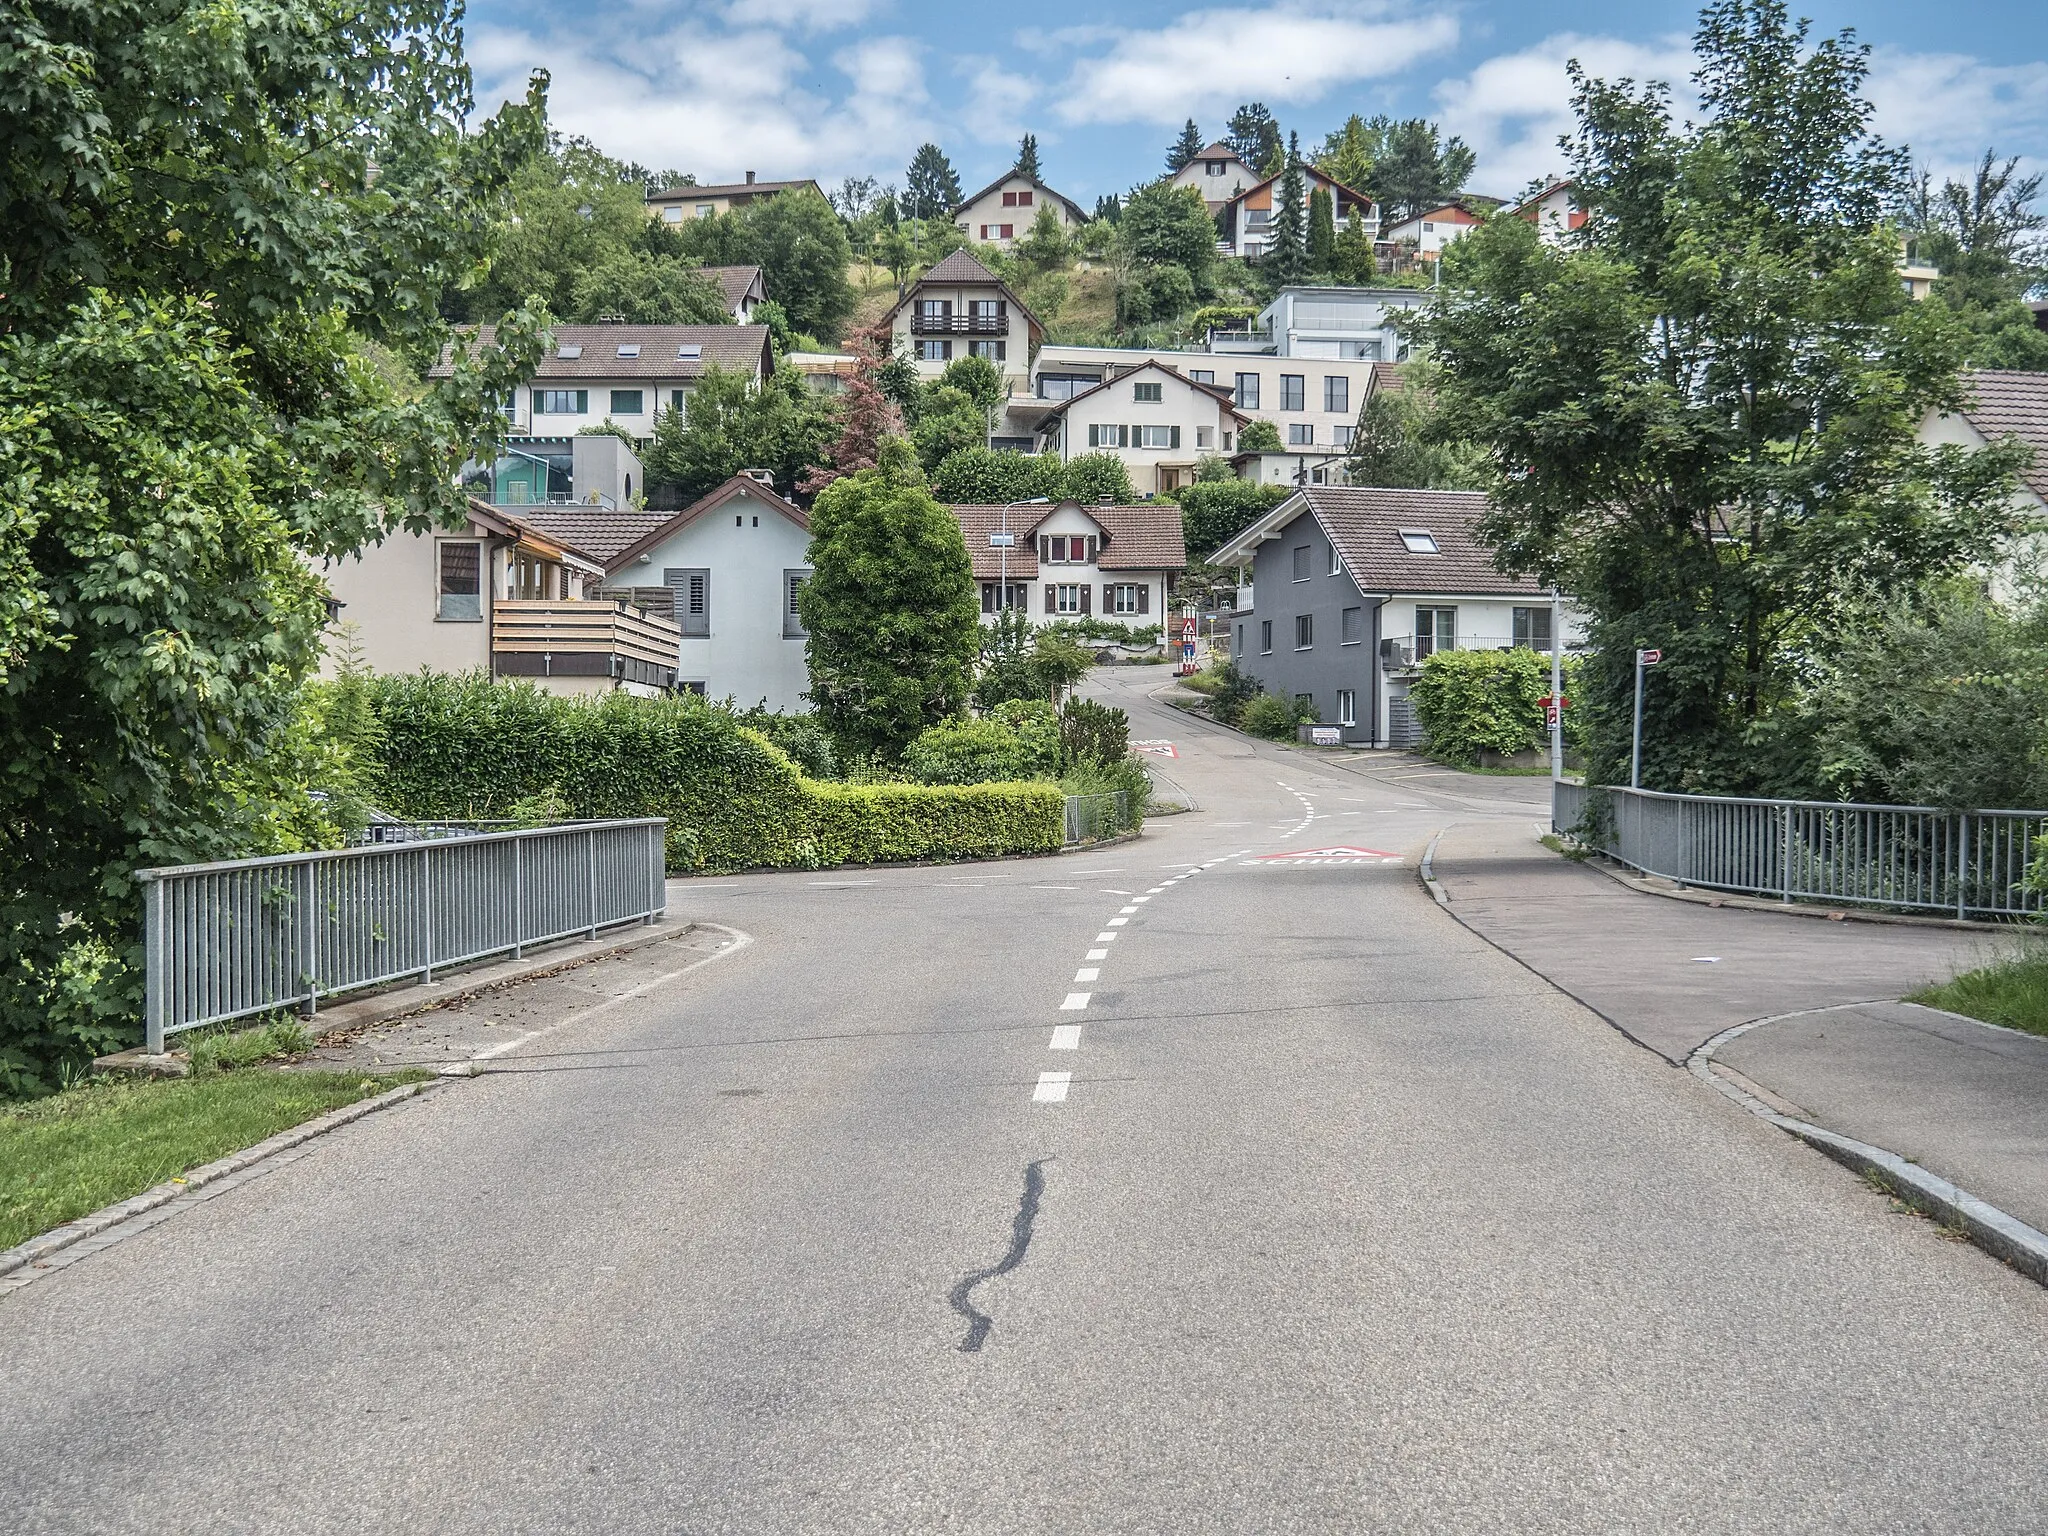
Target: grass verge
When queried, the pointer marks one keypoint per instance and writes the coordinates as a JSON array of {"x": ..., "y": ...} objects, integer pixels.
[
  {"x": 2012, "y": 990},
  {"x": 68, "y": 1155}
]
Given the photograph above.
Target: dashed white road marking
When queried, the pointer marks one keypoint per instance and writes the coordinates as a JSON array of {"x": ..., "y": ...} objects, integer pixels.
[
  {"x": 1108, "y": 892},
  {"x": 1141, "y": 900},
  {"x": 1075, "y": 1002},
  {"x": 1096, "y": 954},
  {"x": 1066, "y": 1037},
  {"x": 1127, "y": 911},
  {"x": 1088, "y": 973},
  {"x": 1118, "y": 922},
  {"x": 840, "y": 885},
  {"x": 1104, "y": 938},
  {"x": 1054, "y": 887},
  {"x": 1052, "y": 1088},
  {"x": 1107, "y": 869}
]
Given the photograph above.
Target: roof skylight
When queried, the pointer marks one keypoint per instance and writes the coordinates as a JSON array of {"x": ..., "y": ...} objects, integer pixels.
[
  {"x": 1419, "y": 541},
  {"x": 571, "y": 350},
  {"x": 629, "y": 349},
  {"x": 689, "y": 352}
]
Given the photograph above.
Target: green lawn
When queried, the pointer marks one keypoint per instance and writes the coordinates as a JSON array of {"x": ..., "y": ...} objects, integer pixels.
[
  {"x": 72, "y": 1153},
  {"x": 2012, "y": 990}
]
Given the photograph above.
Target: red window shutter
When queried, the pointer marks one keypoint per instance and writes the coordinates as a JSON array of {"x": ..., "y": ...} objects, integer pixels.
[
  {"x": 1052, "y": 598},
  {"x": 1023, "y": 199},
  {"x": 1086, "y": 589},
  {"x": 1144, "y": 597}
]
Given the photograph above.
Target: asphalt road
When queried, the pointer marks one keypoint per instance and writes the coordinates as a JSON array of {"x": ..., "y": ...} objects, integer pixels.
[{"x": 1342, "y": 1221}]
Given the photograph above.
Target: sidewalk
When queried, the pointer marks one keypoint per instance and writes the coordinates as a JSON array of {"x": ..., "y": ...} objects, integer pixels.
[{"x": 1963, "y": 1100}]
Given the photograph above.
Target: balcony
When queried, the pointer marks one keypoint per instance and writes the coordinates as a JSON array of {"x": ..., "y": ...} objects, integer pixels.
[
  {"x": 611, "y": 640},
  {"x": 960, "y": 325}
]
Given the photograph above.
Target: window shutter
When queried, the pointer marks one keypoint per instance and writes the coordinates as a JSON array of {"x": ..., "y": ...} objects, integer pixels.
[
  {"x": 1045, "y": 548},
  {"x": 1144, "y": 597},
  {"x": 1176, "y": 438},
  {"x": 1052, "y": 598},
  {"x": 1123, "y": 437},
  {"x": 582, "y": 402},
  {"x": 1091, "y": 548},
  {"x": 1086, "y": 589}
]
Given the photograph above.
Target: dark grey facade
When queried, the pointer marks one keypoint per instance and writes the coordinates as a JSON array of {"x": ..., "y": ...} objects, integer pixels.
[{"x": 1312, "y": 631}]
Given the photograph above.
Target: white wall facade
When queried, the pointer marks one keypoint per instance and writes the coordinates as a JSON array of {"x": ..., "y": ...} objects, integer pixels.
[
  {"x": 1218, "y": 178},
  {"x": 1073, "y": 588},
  {"x": 389, "y": 594},
  {"x": 754, "y": 651},
  {"x": 1161, "y": 442},
  {"x": 1004, "y": 214},
  {"x": 1010, "y": 350}
]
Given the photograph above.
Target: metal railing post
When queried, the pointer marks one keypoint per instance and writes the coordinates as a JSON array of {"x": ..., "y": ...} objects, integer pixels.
[
  {"x": 427, "y": 907},
  {"x": 311, "y": 953},
  {"x": 518, "y": 897},
  {"x": 590, "y": 848},
  {"x": 155, "y": 933},
  {"x": 1785, "y": 869},
  {"x": 1962, "y": 865}
]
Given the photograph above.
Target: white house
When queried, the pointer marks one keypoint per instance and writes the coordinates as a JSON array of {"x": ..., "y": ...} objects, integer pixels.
[
  {"x": 1001, "y": 213},
  {"x": 1429, "y": 232},
  {"x": 1218, "y": 174},
  {"x": 727, "y": 568},
  {"x": 1555, "y": 211},
  {"x": 1157, "y": 420},
  {"x": 498, "y": 594},
  {"x": 960, "y": 308},
  {"x": 674, "y": 205},
  {"x": 625, "y": 374},
  {"x": 2006, "y": 403},
  {"x": 1074, "y": 560},
  {"x": 1352, "y": 589},
  {"x": 1246, "y": 220}
]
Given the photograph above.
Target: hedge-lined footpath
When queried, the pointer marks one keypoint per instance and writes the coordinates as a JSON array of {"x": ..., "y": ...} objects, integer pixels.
[{"x": 465, "y": 747}]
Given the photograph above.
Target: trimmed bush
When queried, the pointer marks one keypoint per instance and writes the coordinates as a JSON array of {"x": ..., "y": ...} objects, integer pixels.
[
  {"x": 1473, "y": 701},
  {"x": 462, "y": 747},
  {"x": 1271, "y": 716}
]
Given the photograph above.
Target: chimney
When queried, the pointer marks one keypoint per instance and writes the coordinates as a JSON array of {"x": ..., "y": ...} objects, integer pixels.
[
  {"x": 760, "y": 477},
  {"x": 750, "y": 178}
]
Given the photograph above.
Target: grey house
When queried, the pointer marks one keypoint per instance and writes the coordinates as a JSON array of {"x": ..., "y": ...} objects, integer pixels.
[{"x": 1353, "y": 587}]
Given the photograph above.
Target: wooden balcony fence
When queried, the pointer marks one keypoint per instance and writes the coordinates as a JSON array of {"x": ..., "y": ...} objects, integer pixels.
[{"x": 584, "y": 639}]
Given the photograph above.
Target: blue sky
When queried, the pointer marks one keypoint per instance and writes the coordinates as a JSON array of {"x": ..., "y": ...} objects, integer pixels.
[{"x": 830, "y": 88}]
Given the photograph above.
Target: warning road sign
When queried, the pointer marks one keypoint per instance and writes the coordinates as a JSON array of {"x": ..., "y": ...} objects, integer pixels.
[{"x": 1338, "y": 855}]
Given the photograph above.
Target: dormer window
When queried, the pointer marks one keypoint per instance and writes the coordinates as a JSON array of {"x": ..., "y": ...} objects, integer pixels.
[
  {"x": 569, "y": 351},
  {"x": 1419, "y": 541},
  {"x": 629, "y": 349}
]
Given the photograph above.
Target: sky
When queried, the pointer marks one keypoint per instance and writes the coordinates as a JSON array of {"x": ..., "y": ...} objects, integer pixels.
[{"x": 836, "y": 88}]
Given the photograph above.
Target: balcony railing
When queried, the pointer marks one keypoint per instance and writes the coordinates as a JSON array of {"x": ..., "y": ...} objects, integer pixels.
[
  {"x": 583, "y": 639},
  {"x": 960, "y": 325}
]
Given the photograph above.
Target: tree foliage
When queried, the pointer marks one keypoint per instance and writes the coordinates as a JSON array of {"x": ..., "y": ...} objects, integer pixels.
[
  {"x": 864, "y": 415},
  {"x": 1985, "y": 237},
  {"x": 1399, "y": 442},
  {"x": 1322, "y": 232},
  {"x": 1027, "y": 156},
  {"x": 1707, "y": 414},
  {"x": 1254, "y": 136},
  {"x": 1212, "y": 512},
  {"x": 197, "y": 256},
  {"x": 1186, "y": 149},
  {"x": 800, "y": 246},
  {"x": 931, "y": 187},
  {"x": 1416, "y": 167},
  {"x": 646, "y": 290},
  {"x": 1286, "y": 258},
  {"x": 732, "y": 424},
  {"x": 890, "y": 608}
]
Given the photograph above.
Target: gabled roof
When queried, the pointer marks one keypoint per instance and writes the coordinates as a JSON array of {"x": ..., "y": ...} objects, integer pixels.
[
  {"x": 687, "y": 194},
  {"x": 962, "y": 270},
  {"x": 1137, "y": 536},
  {"x": 736, "y": 284},
  {"x": 1080, "y": 214},
  {"x": 1365, "y": 524},
  {"x": 1476, "y": 215},
  {"x": 600, "y": 532},
  {"x": 1221, "y": 395},
  {"x": 525, "y": 530},
  {"x": 1309, "y": 174},
  {"x": 711, "y": 501},
  {"x": 1564, "y": 185},
  {"x": 1221, "y": 151},
  {"x": 661, "y": 351},
  {"x": 2006, "y": 402}
]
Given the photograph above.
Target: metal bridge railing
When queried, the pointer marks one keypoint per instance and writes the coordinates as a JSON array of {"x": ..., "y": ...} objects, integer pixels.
[
  {"x": 1917, "y": 857},
  {"x": 1096, "y": 816},
  {"x": 223, "y": 941}
]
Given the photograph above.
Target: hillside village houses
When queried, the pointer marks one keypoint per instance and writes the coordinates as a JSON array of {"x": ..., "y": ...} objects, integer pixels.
[
  {"x": 1353, "y": 588},
  {"x": 1245, "y": 222},
  {"x": 742, "y": 288},
  {"x": 1074, "y": 561},
  {"x": 674, "y": 205},
  {"x": 1001, "y": 213},
  {"x": 1157, "y": 420},
  {"x": 1218, "y": 174}
]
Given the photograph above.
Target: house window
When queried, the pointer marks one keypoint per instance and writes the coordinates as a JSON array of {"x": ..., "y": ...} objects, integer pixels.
[
  {"x": 1304, "y": 631},
  {"x": 1265, "y": 637},
  {"x": 992, "y": 596},
  {"x": 994, "y": 351},
  {"x": 1205, "y": 437},
  {"x": 929, "y": 351},
  {"x": 1212, "y": 167},
  {"x": 1239, "y": 650},
  {"x": 1303, "y": 554},
  {"x": 1247, "y": 394},
  {"x": 937, "y": 312},
  {"x": 561, "y": 402},
  {"x": 1155, "y": 437},
  {"x": 628, "y": 402},
  {"x": 986, "y": 314},
  {"x": 1293, "y": 392},
  {"x": 1300, "y": 434},
  {"x": 676, "y": 397},
  {"x": 1127, "y": 597},
  {"x": 1347, "y": 706},
  {"x": 1064, "y": 386},
  {"x": 693, "y": 599},
  {"x": 1202, "y": 375},
  {"x": 1067, "y": 598},
  {"x": 672, "y": 214},
  {"x": 1532, "y": 628},
  {"x": 1024, "y": 199},
  {"x": 705, "y": 211},
  {"x": 998, "y": 231},
  {"x": 1354, "y": 627},
  {"x": 1436, "y": 629},
  {"x": 792, "y": 589},
  {"x": 1427, "y": 227},
  {"x": 1343, "y": 436},
  {"x": 1147, "y": 394},
  {"x": 461, "y": 596},
  {"x": 1009, "y": 199},
  {"x": 1108, "y": 435},
  {"x": 1336, "y": 392},
  {"x": 1336, "y": 562},
  {"x": 691, "y": 686}
]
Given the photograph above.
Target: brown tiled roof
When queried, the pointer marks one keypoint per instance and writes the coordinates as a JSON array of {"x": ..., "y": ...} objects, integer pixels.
[
  {"x": 2008, "y": 403},
  {"x": 734, "y": 283},
  {"x": 597, "y": 532},
  {"x": 1140, "y": 536},
  {"x": 1220, "y": 151},
  {"x": 666, "y": 523},
  {"x": 1365, "y": 524},
  {"x": 1385, "y": 376},
  {"x": 741, "y": 347},
  {"x": 963, "y": 269},
  {"x": 1080, "y": 214},
  {"x": 731, "y": 189}
]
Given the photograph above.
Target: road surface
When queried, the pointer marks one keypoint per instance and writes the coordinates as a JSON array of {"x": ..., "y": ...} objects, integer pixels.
[{"x": 1163, "y": 1189}]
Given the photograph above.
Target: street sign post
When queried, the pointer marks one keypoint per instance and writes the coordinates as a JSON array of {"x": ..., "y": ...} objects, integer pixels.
[
  {"x": 1187, "y": 643},
  {"x": 1635, "y": 755}
]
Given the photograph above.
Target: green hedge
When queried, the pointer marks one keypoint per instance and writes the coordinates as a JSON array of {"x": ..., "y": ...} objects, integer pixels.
[
  {"x": 1473, "y": 701},
  {"x": 466, "y": 747}
]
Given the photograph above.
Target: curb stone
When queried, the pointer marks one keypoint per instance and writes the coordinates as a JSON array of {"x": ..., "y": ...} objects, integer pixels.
[
  {"x": 59, "y": 1238},
  {"x": 2003, "y": 1236}
]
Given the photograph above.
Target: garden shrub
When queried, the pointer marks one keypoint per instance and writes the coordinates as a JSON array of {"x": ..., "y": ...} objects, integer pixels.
[
  {"x": 1093, "y": 733},
  {"x": 1473, "y": 701},
  {"x": 1270, "y": 715}
]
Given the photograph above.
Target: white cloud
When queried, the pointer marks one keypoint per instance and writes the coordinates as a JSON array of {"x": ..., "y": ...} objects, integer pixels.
[
  {"x": 1291, "y": 52},
  {"x": 1949, "y": 107},
  {"x": 804, "y": 15},
  {"x": 996, "y": 99}
]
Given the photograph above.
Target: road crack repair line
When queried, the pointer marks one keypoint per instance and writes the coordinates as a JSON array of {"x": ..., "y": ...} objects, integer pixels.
[
  {"x": 1051, "y": 1087},
  {"x": 979, "y": 1324}
]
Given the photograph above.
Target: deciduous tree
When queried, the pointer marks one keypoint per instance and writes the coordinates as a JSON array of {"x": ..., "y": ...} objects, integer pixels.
[{"x": 731, "y": 424}]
